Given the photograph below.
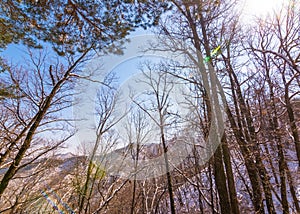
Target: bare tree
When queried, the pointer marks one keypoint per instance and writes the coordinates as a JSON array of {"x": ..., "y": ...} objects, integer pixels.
[
  {"x": 160, "y": 112},
  {"x": 44, "y": 91}
]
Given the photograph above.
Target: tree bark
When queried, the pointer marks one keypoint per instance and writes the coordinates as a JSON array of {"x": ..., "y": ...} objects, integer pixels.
[{"x": 221, "y": 185}]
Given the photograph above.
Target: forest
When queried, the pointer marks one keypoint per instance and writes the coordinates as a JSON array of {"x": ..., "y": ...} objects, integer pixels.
[{"x": 149, "y": 106}]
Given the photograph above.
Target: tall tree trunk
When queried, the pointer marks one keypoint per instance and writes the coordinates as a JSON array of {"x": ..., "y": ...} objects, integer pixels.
[
  {"x": 292, "y": 188},
  {"x": 136, "y": 159},
  {"x": 250, "y": 166},
  {"x": 230, "y": 177},
  {"x": 282, "y": 162},
  {"x": 220, "y": 179},
  {"x": 169, "y": 178},
  {"x": 292, "y": 121},
  {"x": 247, "y": 154},
  {"x": 14, "y": 167},
  {"x": 251, "y": 137}
]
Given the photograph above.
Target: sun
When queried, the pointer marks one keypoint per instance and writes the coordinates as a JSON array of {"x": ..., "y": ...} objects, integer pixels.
[{"x": 261, "y": 8}]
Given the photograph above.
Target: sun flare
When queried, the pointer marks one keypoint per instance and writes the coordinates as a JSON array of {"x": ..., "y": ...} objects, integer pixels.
[{"x": 261, "y": 7}]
